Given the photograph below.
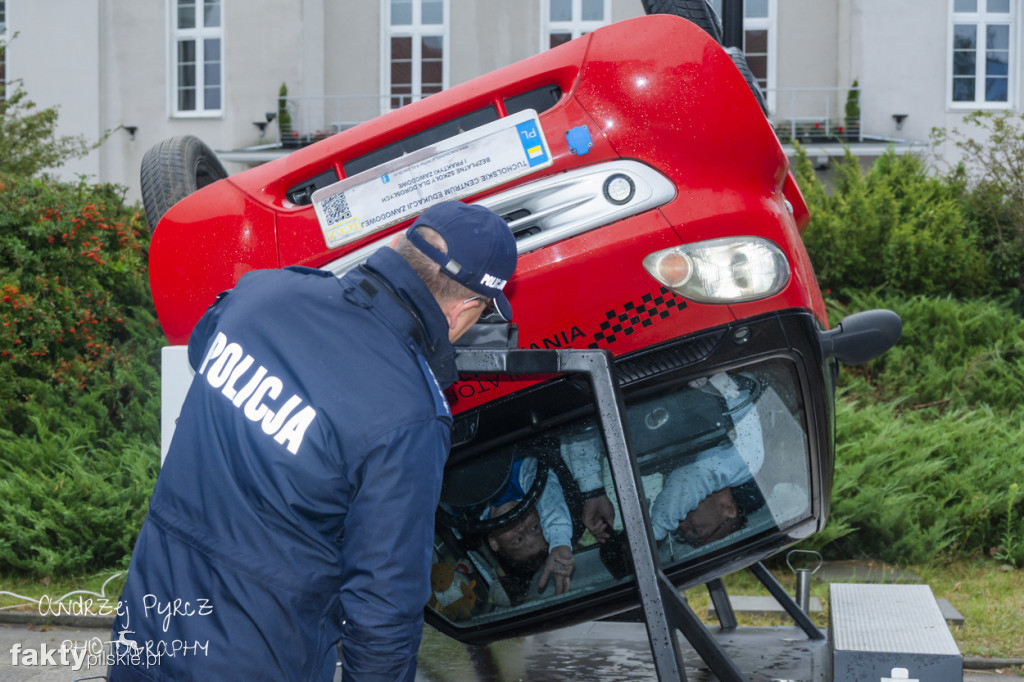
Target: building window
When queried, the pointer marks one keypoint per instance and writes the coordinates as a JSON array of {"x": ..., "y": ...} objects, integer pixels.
[
  {"x": 568, "y": 19},
  {"x": 759, "y": 42},
  {"x": 981, "y": 52},
  {"x": 197, "y": 49},
  {"x": 416, "y": 50}
]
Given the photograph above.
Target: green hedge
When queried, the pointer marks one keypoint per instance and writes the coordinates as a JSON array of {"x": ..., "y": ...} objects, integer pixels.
[
  {"x": 69, "y": 502},
  {"x": 893, "y": 226},
  {"x": 912, "y": 486},
  {"x": 930, "y": 437},
  {"x": 955, "y": 354},
  {"x": 79, "y": 381}
]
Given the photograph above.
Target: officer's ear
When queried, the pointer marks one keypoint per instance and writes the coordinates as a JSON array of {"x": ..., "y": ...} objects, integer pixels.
[
  {"x": 493, "y": 544},
  {"x": 462, "y": 315},
  {"x": 456, "y": 308}
]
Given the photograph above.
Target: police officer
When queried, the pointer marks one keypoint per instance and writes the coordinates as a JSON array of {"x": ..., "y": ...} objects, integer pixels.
[{"x": 292, "y": 510}]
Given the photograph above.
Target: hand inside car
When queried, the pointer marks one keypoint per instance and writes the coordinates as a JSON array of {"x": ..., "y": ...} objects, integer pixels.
[
  {"x": 560, "y": 563},
  {"x": 598, "y": 516}
]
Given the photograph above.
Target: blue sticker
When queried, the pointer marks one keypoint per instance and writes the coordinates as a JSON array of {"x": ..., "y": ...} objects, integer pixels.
[
  {"x": 533, "y": 143},
  {"x": 579, "y": 140}
]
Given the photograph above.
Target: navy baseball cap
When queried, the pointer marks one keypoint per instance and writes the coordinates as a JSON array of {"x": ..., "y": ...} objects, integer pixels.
[{"x": 482, "y": 251}]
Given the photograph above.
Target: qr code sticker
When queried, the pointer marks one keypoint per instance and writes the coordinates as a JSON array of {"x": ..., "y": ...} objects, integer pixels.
[{"x": 335, "y": 208}]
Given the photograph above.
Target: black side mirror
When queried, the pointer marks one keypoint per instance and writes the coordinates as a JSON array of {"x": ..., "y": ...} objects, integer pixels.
[{"x": 862, "y": 336}]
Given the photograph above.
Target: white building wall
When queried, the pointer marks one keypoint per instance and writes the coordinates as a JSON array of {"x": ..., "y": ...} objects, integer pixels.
[
  {"x": 353, "y": 45},
  {"x": 626, "y": 9},
  {"x": 901, "y": 65},
  {"x": 486, "y": 36},
  {"x": 106, "y": 64},
  {"x": 133, "y": 54},
  {"x": 952, "y": 117},
  {"x": 58, "y": 62},
  {"x": 807, "y": 61},
  {"x": 806, "y": 45},
  {"x": 900, "y": 54},
  {"x": 490, "y": 34}
]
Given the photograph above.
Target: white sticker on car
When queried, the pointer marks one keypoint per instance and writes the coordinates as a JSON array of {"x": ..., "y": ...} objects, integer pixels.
[{"x": 452, "y": 169}]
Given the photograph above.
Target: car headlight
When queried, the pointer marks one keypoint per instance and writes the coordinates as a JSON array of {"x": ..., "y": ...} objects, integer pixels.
[{"x": 728, "y": 270}]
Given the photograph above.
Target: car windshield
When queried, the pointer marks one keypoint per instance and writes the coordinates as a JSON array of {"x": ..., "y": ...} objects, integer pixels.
[{"x": 722, "y": 458}]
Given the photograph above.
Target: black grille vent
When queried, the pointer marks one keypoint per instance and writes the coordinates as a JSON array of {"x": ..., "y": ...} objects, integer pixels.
[{"x": 635, "y": 368}]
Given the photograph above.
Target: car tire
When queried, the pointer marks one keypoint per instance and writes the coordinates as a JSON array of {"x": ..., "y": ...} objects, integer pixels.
[
  {"x": 173, "y": 169},
  {"x": 699, "y": 12}
]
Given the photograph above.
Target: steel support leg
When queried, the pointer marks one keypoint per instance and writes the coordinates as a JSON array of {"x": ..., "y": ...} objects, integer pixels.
[
  {"x": 723, "y": 607},
  {"x": 787, "y": 602},
  {"x": 683, "y": 618}
]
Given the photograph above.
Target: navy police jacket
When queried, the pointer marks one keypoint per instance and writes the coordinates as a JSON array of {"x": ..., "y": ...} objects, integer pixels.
[{"x": 296, "y": 504}]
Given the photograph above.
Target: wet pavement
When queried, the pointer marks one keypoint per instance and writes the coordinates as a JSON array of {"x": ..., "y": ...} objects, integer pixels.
[{"x": 583, "y": 653}]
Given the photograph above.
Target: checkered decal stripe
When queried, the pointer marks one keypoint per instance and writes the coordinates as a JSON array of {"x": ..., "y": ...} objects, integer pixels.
[{"x": 644, "y": 313}]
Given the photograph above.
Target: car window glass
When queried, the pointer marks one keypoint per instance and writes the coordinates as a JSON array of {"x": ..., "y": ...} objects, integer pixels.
[{"x": 722, "y": 458}]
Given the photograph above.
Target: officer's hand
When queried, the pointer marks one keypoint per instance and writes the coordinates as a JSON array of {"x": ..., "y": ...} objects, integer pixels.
[
  {"x": 560, "y": 563},
  {"x": 598, "y": 516}
]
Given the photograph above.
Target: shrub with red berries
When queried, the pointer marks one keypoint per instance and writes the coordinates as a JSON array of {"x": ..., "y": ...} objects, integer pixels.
[{"x": 75, "y": 310}]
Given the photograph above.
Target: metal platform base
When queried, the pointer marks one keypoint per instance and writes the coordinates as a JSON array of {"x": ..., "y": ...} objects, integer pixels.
[
  {"x": 602, "y": 651},
  {"x": 876, "y": 628}
]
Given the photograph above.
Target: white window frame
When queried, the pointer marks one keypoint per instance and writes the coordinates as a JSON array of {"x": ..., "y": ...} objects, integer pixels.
[
  {"x": 980, "y": 19},
  {"x": 416, "y": 30},
  {"x": 576, "y": 27},
  {"x": 198, "y": 34},
  {"x": 770, "y": 24}
]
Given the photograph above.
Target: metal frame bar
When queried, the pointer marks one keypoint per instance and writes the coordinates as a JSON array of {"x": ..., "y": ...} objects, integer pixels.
[
  {"x": 786, "y": 601},
  {"x": 665, "y": 609},
  {"x": 732, "y": 23},
  {"x": 723, "y": 607}
]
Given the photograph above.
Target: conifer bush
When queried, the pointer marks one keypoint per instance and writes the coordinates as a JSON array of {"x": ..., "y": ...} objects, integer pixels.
[
  {"x": 953, "y": 354},
  {"x": 929, "y": 436},
  {"x": 917, "y": 486},
  {"x": 893, "y": 226}
]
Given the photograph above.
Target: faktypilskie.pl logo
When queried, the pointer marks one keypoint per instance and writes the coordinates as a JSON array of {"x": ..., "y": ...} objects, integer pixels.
[{"x": 95, "y": 652}]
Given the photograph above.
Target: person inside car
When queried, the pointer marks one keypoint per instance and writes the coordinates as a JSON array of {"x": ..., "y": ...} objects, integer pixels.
[
  {"x": 543, "y": 537},
  {"x": 707, "y": 499}
]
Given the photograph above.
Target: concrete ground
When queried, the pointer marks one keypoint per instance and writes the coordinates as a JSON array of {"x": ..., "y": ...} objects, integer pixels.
[{"x": 592, "y": 651}]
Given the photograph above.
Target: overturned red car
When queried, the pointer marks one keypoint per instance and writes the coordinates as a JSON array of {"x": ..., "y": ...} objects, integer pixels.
[{"x": 656, "y": 219}]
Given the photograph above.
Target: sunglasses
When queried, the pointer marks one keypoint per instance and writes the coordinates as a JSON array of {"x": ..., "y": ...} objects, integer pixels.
[{"x": 489, "y": 306}]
